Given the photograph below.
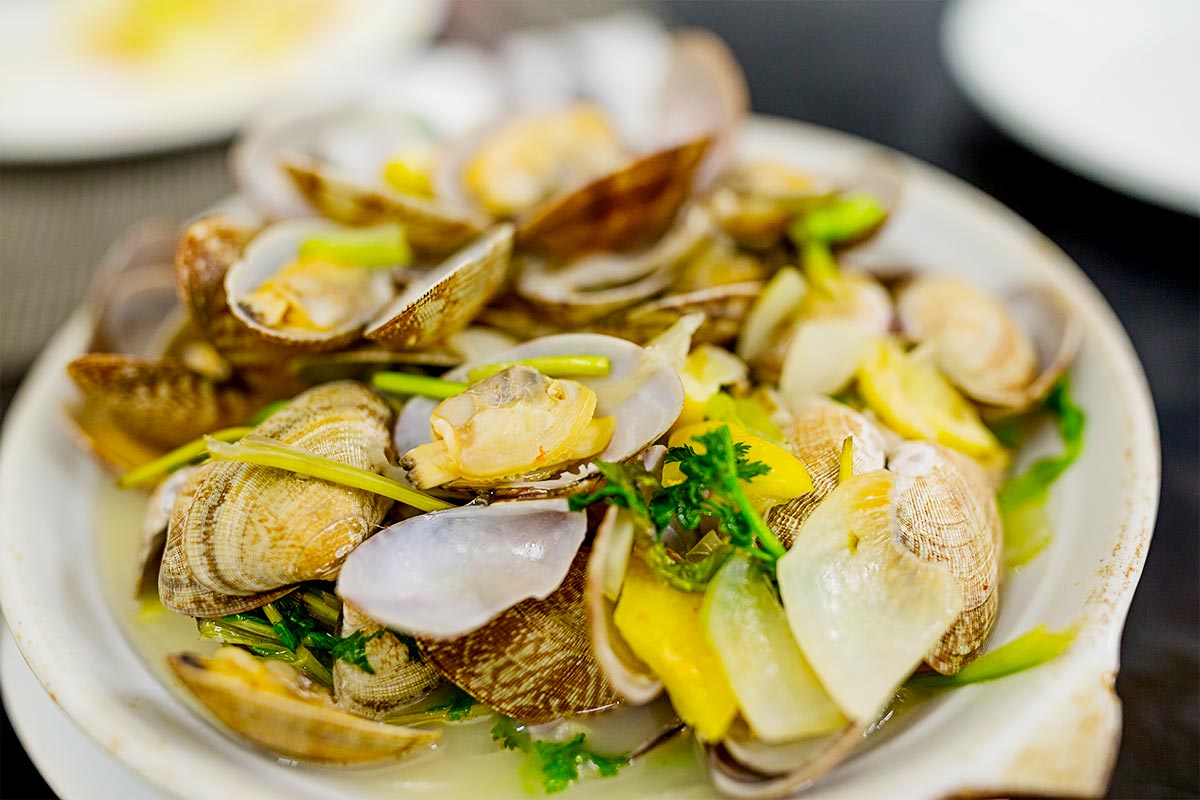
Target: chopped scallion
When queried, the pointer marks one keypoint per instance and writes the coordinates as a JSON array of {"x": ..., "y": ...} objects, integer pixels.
[
  {"x": 417, "y": 385},
  {"x": 550, "y": 366},
  {"x": 384, "y": 245},
  {"x": 1025, "y": 652},
  {"x": 181, "y": 456}
]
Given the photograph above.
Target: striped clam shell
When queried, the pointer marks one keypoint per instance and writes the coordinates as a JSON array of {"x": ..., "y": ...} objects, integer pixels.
[
  {"x": 399, "y": 678},
  {"x": 534, "y": 662}
]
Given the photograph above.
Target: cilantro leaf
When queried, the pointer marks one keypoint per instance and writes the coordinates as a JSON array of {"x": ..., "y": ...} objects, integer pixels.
[
  {"x": 557, "y": 763},
  {"x": 511, "y": 735},
  {"x": 457, "y": 707},
  {"x": 626, "y": 485}
]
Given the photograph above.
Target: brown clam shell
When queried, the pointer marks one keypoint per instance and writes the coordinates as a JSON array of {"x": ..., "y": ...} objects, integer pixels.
[
  {"x": 250, "y": 529},
  {"x": 946, "y": 513},
  {"x": 160, "y": 401},
  {"x": 815, "y": 435},
  {"x": 399, "y": 679},
  {"x": 449, "y": 298},
  {"x": 289, "y": 718},
  {"x": 534, "y": 662},
  {"x": 433, "y": 228},
  {"x": 618, "y": 211},
  {"x": 724, "y": 307}
]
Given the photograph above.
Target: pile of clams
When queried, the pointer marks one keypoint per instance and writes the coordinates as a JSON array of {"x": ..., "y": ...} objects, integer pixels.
[{"x": 422, "y": 354}]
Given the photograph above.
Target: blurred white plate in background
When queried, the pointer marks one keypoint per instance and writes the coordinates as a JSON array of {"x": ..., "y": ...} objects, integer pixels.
[
  {"x": 1104, "y": 87},
  {"x": 101, "y": 78}
]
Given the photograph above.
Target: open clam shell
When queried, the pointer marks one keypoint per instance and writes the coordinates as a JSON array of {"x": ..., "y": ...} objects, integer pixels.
[
  {"x": 534, "y": 662},
  {"x": 641, "y": 391},
  {"x": 630, "y": 206},
  {"x": 1006, "y": 353},
  {"x": 249, "y": 529},
  {"x": 159, "y": 401},
  {"x": 594, "y": 286},
  {"x": 724, "y": 307},
  {"x": 278, "y": 246},
  {"x": 946, "y": 513},
  {"x": 155, "y": 520},
  {"x": 443, "y": 302},
  {"x": 133, "y": 292},
  {"x": 261, "y": 702},
  {"x": 629, "y": 677},
  {"x": 447, "y": 573},
  {"x": 400, "y": 677},
  {"x": 815, "y": 432},
  {"x": 433, "y": 227}
]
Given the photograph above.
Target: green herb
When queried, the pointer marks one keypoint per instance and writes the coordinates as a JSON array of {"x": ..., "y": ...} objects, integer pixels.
[
  {"x": 179, "y": 457},
  {"x": 1025, "y": 652},
  {"x": 254, "y": 449},
  {"x": 557, "y": 763},
  {"x": 457, "y": 707},
  {"x": 819, "y": 266},
  {"x": 550, "y": 366},
  {"x": 1033, "y": 485},
  {"x": 417, "y": 385},
  {"x": 383, "y": 245},
  {"x": 846, "y": 218},
  {"x": 712, "y": 488},
  {"x": 745, "y": 412},
  {"x": 695, "y": 569}
]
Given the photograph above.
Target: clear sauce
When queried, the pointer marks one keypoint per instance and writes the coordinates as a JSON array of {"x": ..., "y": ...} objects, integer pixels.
[{"x": 466, "y": 763}]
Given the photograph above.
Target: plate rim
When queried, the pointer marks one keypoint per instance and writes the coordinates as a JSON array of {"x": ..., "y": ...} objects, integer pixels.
[{"x": 1138, "y": 521}]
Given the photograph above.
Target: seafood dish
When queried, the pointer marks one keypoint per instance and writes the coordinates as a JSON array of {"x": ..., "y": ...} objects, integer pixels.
[{"x": 581, "y": 445}]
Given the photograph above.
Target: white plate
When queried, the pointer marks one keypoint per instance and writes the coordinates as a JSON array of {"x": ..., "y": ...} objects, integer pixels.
[
  {"x": 1052, "y": 730},
  {"x": 53, "y": 741},
  {"x": 1105, "y": 87},
  {"x": 61, "y": 103}
]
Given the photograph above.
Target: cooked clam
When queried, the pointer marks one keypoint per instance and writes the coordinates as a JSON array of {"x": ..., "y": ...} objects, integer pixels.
[
  {"x": 442, "y": 303},
  {"x": 398, "y": 678},
  {"x": 275, "y": 707},
  {"x": 303, "y": 302},
  {"x": 447, "y": 573},
  {"x": 155, "y": 520},
  {"x": 946, "y": 514},
  {"x": 248, "y": 529},
  {"x": 641, "y": 393},
  {"x": 533, "y": 662},
  {"x": 724, "y": 307}
]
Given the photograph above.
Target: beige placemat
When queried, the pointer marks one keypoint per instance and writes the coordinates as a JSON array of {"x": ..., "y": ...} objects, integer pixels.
[{"x": 56, "y": 222}]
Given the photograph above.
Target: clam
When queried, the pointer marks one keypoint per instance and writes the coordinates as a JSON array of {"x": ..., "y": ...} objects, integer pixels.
[
  {"x": 815, "y": 433},
  {"x": 641, "y": 393},
  {"x": 629, "y": 677},
  {"x": 724, "y": 307},
  {"x": 447, "y": 573},
  {"x": 946, "y": 513},
  {"x": 1000, "y": 353},
  {"x": 155, "y": 520},
  {"x": 741, "y": 766},
  {"x": 443, "y": 302},
  {"x": 276, "y": 708},
  {"x": 400, "y": 676},
  {"x": 755, "y": 204},
  {"x": 533, "y": 662},
  {"x": 594, "y": 286},
  {"x": 623, "y": 209},
  {"x": 303, "y": 303},
  {"x": 433, "y": 227},
  {"x": 864, "y": 609},
  {"x": 247, "y": 529},
  {"x": 159, "y": 401}
]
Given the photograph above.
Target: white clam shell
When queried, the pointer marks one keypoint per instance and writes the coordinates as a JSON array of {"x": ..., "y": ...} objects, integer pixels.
[{"x": 447, "y": 573}]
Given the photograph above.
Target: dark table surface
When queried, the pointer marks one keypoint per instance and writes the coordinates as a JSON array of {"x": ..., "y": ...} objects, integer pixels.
[{"x": 874, "y": 69}]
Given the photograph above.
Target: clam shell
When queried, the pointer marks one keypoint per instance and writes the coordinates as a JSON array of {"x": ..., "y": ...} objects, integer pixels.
[
  {"x": 634, "y": 204},
  {"x": 159, "y": 401},
  {"x": 534, "y": 662},
  {"x": 744, "y": 767},
  {"x": 251, "y": 528},
  {"x": 287, "y": 717},
  {"x": 133, "y": 292},
  {"x": 93, "y": 430},
  {"x": 1057, "y": 333},
  {"x": 724, "y": 307},
  {"x": 178, "y": 588},
  {"x": 631, "y": 680},
  {"x": 946, "y": 513},
  {"x": 815, "y": 434},
  {"x": 155, "y": 520},
  {"x": 271, "y": 250},
  {"x": 400, "y": 678},
  {"x": 592, "y": 287},
  {"x": 433, "y": 227},
  {"x": 444, "y": 302},
  {"x": 642, "y": 391}
]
